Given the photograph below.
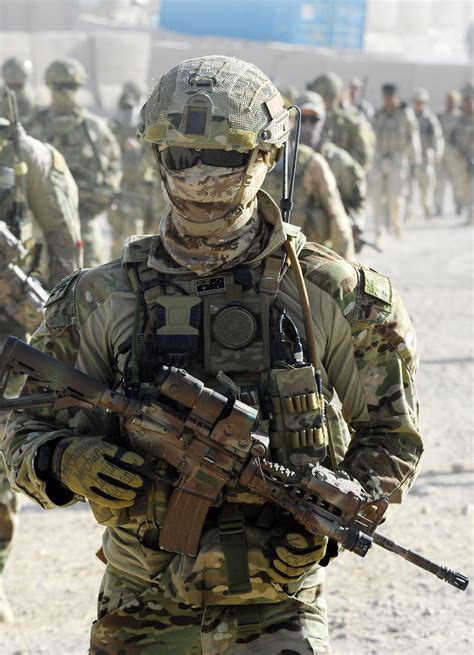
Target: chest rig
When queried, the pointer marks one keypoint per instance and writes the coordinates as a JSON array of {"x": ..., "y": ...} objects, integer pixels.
[{"x": 231, "y": 331}]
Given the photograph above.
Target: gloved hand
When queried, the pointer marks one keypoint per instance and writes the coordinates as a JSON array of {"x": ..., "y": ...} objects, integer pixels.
[
  {"x": 103, "y": 472},
  {"x": 295, "y": 552}
]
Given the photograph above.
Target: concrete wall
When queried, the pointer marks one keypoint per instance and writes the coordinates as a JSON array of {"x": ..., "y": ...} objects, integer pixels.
[{"x": 113, "y": 56}]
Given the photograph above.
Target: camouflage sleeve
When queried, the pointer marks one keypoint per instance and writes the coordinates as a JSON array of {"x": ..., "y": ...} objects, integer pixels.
[
  {"x": 362, "y": 142},
  {"x": 111, "y": 158},
  {"x": 413, "y": 137},
  {"x": 370, "y": 357},
  {"x": 319, "y": 179},
  {"x": 53, "y": 199},
  {"x": 61, "y": 335},
  {"x": 438, "y": 138}
]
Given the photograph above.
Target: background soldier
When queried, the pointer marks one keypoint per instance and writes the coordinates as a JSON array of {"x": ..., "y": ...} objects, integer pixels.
[
  {"x": 398, "y": 139},
  {"x": 38, "y": 196},
  {"x": 444, "y": 173},
  {"x": 16, "y": 73},
  {"x": 432, "y": 149},
  {"x": 342, "y": 126},
  {"x": 89, "y": 147},
  {"x": 462, "y": 142},
  {"x": 141, "y": 201},
  {"x": 357, "y": 100},
  {"x": 318, "y": 209},
  {"x": 350, "y": 177},
  {"x": 256, "y": 578}
]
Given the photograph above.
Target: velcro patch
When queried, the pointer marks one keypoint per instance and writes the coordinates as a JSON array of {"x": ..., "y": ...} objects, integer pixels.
[
  {"x": 210, "y": 286},
  {"x": 377, "y": 285}
]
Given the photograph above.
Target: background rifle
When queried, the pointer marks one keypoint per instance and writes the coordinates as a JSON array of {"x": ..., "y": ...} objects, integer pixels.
[
  {"x": 211, "y": 440},
  {"x": 20, "y": 167}
]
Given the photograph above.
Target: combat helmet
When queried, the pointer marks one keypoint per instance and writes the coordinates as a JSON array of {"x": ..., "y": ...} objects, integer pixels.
[
  {"x": 215, "y": 102},
  {"x": 328, "y": 85},
  {"x": 16, "y": 71},
  {"x": 313, "y": 101},
  {"x": 65, "y": 71}
]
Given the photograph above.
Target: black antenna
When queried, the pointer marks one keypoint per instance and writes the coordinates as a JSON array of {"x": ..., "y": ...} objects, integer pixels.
[{"x": 286, "y": 202}]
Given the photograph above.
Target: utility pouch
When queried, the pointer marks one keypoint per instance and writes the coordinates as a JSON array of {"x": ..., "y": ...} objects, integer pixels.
[
  {"x": 298, "y": 432},
  {"x": 236, "y": 331}
]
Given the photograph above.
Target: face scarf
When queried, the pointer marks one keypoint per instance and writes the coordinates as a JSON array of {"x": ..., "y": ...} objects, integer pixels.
[{"x": 201, "y": 230}]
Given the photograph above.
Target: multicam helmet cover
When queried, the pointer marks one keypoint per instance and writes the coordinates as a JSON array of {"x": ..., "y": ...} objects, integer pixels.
[
  {"x": 215, "y": 102},
  {"x": 328, "y": 85},
  {"x": 65, "y": 71},
  {"x": 16, "y": 71}
]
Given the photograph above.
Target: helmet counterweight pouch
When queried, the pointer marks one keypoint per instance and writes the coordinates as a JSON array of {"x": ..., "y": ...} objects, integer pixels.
[{"x": 298, "y": 432}]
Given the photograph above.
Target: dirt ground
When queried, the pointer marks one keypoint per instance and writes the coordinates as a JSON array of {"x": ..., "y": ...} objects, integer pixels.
[{"x": 379, "y": 605}]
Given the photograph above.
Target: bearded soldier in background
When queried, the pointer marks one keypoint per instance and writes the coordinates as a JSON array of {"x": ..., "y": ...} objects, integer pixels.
[
  {"x": 141, "y": 202},
  {"x": 213, "y": 293},
  {"x": 89, "y": 147}
]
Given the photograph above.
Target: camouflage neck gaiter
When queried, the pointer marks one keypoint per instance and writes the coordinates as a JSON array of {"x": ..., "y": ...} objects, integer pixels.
[{"x": 206, "y": 255}]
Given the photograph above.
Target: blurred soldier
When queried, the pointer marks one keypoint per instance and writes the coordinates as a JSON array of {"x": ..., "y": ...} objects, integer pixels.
[
  {"x": 141, "y": 201},
  {"x": 462, "y": 142},
  {"x": 357, "y": 100},
  {"x": 398, "y": 139},
  {"x": 432, "y": 149},
  {"x": 317, "y": 209},
  {"x": 16, "y": 73},
  {"x": 36, "y": 191},
  {"x": 444, "y": 173},
  {"x": 342, "y": 127},
  {"x": 350, "y": 176},
  {"x": 89, "y": 147}
]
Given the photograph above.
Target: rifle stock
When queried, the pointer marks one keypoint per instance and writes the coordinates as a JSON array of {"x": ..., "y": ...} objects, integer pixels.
[{"x": 211, "y": 441}]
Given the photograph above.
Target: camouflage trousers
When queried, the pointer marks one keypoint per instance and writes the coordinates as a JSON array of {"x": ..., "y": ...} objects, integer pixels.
[
  {"x": 8, "y": 514},
  {"x": 426, "y": 180},
  {"x": 137, "y": 619},
  {"x": 388, "y": 188}
]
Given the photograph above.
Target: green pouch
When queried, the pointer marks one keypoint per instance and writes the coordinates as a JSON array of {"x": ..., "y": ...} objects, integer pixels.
[{"x": 298, "y": 431}]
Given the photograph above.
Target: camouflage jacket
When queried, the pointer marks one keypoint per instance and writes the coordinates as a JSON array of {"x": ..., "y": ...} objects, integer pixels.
[
  {"x": 462, "y": 138},
  {"x": 352, "y": 133},
  {"x": 448, "y": 121},
  {"x": 368, "y": 356},
  {"x": 318, "y": 209},
  {"x": 90, "y": 150},
  {"x": 397, "y": 133},
  {"x": 52, "y": 218},
  {"x": 431, "y": 135}
]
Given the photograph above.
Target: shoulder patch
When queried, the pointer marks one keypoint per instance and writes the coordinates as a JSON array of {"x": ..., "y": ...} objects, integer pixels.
[
  {"x": 59, "y": 308},
  {"x": 377, "y": 285}
]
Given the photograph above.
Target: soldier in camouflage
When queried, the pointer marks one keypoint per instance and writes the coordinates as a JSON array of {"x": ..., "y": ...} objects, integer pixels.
[
  {"x": 432, "y": 149},
  {"x": 357, "y": 100},
  {"x": 141, "y": 201},
  {"x": 89, "y": 147},
  {"x": 350, "y": 176},
  {"x": 343, "y": 127},
  {"x": 16, "y": 73},
  {"x": 206, "y": 293},
  {"x": 398, "y": 143},
  {"x": 444, "y": 173},
  {"x": 48, "y": 217},
  {"x": 462, "y": 144},
  {"x": 318, "y": 209}
]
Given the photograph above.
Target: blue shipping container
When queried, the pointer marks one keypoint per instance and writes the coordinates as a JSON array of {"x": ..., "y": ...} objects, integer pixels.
[{"x": 324, "y": 23}]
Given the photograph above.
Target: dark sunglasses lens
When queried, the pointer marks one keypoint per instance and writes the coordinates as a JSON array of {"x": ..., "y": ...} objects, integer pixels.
[
  {"x": 225, "y": 158},
  {"x": 175, "y": 158},
  {"x": 312, "y": 120},
  {"x": 66, "y": 87}
]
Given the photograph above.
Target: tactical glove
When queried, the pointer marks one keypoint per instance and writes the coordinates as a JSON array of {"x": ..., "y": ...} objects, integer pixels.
[
  {"x": 100, "y": 471},
  {"x": 295, "y": 553}
]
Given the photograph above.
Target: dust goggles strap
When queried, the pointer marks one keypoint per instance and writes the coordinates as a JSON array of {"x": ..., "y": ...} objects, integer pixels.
[{"x": 177, "y": 158}]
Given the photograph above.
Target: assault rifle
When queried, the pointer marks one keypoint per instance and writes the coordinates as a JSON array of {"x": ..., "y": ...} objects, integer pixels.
[
  {"x": 211, "y": 441},
  {"x": 23, "y": 297}
]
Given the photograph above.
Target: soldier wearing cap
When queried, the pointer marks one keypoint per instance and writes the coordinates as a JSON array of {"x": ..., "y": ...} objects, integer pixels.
[
  {"x": 432, "y": 149},
  {"x": 141, "y": 201},
  {"x": 444, "y": 172},
  {"x": 398, "y": 143},
  {"x": 213, "y": 292},
  {"x": 89, "y": 147},
  {"x": 16, "y": 73},
  {"x": 342, "y": 127},
  {"x": 318, "y": 209}
]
